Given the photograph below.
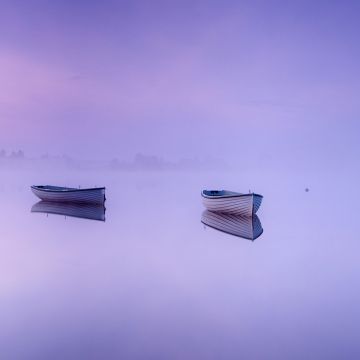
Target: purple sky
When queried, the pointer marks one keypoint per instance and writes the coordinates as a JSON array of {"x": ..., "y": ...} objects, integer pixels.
[{"x": 99, "y": 79}]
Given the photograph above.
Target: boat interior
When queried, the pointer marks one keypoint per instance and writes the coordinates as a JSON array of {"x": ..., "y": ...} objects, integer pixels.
[
  {"x": 50, "y": 187},
  {"x": 219, "y": 193}
]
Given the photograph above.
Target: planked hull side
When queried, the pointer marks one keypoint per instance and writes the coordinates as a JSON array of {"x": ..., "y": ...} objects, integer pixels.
[
  {"x": 246, "y": 205},
  {"x": 247, "y": 227},
  {"x": 257, "y": 202},
  {"x": 94, "y": 196}
]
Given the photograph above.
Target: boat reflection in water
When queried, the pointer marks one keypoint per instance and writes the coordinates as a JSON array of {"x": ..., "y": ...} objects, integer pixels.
[
  {"x": 83, "y": 211},
  {"x": 247, "y": 227}
]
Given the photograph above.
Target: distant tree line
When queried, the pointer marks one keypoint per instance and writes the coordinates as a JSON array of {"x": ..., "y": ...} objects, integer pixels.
[{"x": 13, "y": 155}]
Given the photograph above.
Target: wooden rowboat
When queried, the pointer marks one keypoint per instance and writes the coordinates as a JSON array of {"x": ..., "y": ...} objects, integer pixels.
[
  {"x": 69, "y": 195},
  {"x": 230, "y": 202},
  {"x": 83, "y": 211},
  {"x": 247, "y": 227}
]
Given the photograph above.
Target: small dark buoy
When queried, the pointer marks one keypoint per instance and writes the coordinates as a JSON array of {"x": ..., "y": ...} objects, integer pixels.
[{"x": 306, "y": 190}]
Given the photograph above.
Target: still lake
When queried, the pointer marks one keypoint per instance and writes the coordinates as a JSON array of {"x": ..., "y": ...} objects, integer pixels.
[{"x": 152, "y": 282}]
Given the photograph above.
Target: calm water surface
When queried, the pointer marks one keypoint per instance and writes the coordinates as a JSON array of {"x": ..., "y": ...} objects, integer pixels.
[{"x": 152, "y": 282}]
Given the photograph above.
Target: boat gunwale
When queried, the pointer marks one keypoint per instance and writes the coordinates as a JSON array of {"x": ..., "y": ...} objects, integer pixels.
[
  {"x": 65, "y": 190},
  {"x": 227, "y": 196}
]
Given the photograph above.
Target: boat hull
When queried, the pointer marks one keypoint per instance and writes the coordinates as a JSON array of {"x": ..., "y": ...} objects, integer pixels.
[
  {"x": 242, "y": 204},
  {"x": 83, "y": 211},
  {"x": 246, "y": 227},
  {"x": 93, "y": 196}
]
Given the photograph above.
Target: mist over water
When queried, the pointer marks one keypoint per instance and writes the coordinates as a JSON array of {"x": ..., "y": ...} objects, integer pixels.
[
  {"x": 153, "y": 282},
  {"x": 157, "y": 100}
]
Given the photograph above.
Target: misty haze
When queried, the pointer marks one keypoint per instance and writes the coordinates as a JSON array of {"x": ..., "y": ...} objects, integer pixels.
[{"x": 144, "y": 105}]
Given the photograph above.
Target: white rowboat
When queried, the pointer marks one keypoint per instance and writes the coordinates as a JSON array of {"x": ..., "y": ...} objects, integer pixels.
[
  {"x": 230, "y": 202},
  {"x": 247, "y": 227},
  {"x": 69, "y": 195}
]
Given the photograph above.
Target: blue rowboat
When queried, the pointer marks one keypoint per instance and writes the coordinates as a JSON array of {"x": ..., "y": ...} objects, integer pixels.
[{"x": 71, "y": 195}]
